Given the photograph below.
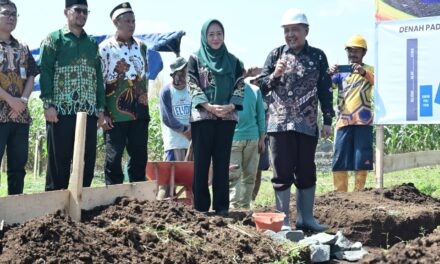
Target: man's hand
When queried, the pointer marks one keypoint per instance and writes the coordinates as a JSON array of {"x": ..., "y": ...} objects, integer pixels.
[
  {"x": 51, "y": 115},
  {"x": 280, "y": 68},
  {"x": 16, "y": 104},
  {"x": 333, "y": 69},
  {"x": 105, "y": 122},
  {"x": 357, "y": 68},
  {"x": 326, "y": 131},
  {"x": 252, "y": 71},
  {"x": 187, "y": 134},
  {"x": 13, "y": 115},
  {"x": 261, "y": 144}
]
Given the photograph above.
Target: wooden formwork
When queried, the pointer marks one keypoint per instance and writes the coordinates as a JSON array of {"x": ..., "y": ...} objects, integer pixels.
[{"x": 20, "y": 208}]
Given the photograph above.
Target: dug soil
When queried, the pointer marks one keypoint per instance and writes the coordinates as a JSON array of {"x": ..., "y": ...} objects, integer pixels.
[
  {"x": 139, "y": 232},
  {"x": 130, "y": 231},
  {"x": 421, "y": 250},
  {"x": 379, "y": 218}
]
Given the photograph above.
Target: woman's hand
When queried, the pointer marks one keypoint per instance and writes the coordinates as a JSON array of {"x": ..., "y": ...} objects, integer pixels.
[
  {"x": 223, "y": 110},
  {"x": 219, "y": 110}
]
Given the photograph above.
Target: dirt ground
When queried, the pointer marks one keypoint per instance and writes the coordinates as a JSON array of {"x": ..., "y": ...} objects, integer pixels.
[
  {"x": 166, "y": 232},
  {"x": 380, "y": 218},
  {"x": 421, "y": 250},
  {"x": 138, "y": 232}
]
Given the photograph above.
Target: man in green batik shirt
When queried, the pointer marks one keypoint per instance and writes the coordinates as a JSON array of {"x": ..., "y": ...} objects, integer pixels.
[{"x": 71, "y": 82}]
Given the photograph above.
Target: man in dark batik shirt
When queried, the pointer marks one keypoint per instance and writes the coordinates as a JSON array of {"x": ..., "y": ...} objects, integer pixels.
[
  {"x": 295, "y": 78},
  {"x": 17, "y": 72}
]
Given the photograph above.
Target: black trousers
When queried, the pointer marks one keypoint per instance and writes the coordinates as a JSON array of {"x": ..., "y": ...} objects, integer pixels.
[
  {"x": 293, "y": 160},
  {"x": 212, "y": 139},
  {"x": 15, "y": 138},
  {"x": 60, "y": 142},
  {"x": 132, "y": 135}
]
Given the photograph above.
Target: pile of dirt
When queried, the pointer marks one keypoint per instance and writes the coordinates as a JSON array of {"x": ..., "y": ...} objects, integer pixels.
[
  {"x": 408, "y": 193},
  {"x": 130, "y": 231},
  {"x": 378, "y": 218},
  {"x": 58, "y": 239},
  {"x": 421, "y": 250}
]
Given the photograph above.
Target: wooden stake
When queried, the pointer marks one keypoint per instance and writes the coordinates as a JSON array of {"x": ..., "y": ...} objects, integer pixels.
[
  {"x": 36, "y": 154},
  {"x": 76, "y": 179},
  {"x": 379, "y": 156}
]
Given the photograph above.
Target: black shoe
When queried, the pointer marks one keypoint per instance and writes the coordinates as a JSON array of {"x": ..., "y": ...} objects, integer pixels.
[{"x": 223, "y": 213}]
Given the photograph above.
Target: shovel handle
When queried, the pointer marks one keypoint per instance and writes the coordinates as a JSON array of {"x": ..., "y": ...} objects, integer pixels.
[{"x": 189, "y": 151}]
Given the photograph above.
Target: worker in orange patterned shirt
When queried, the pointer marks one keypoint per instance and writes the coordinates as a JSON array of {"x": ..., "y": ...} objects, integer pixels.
[{"x": 354, "y": 136}]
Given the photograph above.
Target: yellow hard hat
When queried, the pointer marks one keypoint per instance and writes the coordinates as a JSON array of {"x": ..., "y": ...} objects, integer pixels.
[{"x": 356, "y": 41}]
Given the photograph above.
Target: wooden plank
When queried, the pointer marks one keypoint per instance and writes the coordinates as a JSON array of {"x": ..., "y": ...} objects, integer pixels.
[
  {"x": 76, "y": 179},
  {"x": 93, "y": 197},
  {"x": 379, "y": 156},
  {"x": 20, "y": 208},
  {"x": 398, "y": 162}
]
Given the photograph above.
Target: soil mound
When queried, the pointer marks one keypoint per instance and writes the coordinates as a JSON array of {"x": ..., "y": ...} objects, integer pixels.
[
  {"x": 58, "y": 239},
  {"x": 378, "y": 218},
  {"x": 130, "y": 231},
  {"x": 408, "y": 193},
  {"x": 421, "y": 250}
]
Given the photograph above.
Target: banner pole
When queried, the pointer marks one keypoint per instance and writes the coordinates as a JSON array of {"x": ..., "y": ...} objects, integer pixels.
[{"x": 379, "y": 156}]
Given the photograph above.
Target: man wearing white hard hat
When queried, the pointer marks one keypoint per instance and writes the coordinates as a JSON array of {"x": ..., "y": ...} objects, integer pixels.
[
  {"x": 295, "y": 75},
  {"x": 354, "y": 123}
]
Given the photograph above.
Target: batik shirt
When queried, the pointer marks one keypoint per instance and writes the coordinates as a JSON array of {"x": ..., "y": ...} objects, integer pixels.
[
  {"x": 16, "y": 65},
  {"x": 203, "y": 90},
  {"x": 125, "y": 68},
  {"x": 354, "y": 97},
  {"x": 293, "y": 98},
  {"x": 71, "y": 76}
]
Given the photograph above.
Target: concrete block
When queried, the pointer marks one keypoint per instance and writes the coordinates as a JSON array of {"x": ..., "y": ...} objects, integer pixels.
[
  {"x": 294, "y": 235},
  {"x": 324, "y": 238},
  {"x": 320, "y": 253},
  {"x": 277, "y": 238}
]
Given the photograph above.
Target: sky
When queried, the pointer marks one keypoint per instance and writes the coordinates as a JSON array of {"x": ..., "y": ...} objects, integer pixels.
[{"x": 252, "y": 27}]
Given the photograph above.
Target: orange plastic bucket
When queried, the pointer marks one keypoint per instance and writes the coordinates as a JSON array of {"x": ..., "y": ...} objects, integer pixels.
[{"x": 271, "y": 221}]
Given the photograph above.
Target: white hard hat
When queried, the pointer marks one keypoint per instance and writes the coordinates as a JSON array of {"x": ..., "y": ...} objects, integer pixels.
[{"x": 294, "y": 16}]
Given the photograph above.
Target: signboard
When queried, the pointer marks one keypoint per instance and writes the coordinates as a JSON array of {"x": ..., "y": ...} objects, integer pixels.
[
  {"x": 407, "y": 89},
  {"x": 406, "y": 9}
]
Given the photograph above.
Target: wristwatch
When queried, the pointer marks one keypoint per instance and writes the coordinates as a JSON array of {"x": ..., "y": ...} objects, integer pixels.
[{"x": 47, "y": 105}]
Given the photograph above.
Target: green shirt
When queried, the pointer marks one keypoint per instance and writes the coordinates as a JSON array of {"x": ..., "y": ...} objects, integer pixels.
[
  {"x": 71, "y": 76},
  {"x": 252, "y": 120}
]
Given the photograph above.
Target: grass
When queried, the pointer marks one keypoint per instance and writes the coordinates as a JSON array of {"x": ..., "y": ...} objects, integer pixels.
[
  {"x": 425, "y": 179},
  {"x": 36, "y": 185}
]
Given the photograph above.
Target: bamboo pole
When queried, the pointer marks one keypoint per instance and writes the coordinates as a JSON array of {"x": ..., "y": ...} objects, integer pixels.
[
  {"x": 379, "y": 156},
  {"x": 76, "y": 179}
]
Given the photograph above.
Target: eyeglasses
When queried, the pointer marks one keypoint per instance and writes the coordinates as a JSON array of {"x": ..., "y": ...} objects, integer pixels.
[
  {"x": 79, "y": 10},
  {"x": 9, "y": 14}
]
